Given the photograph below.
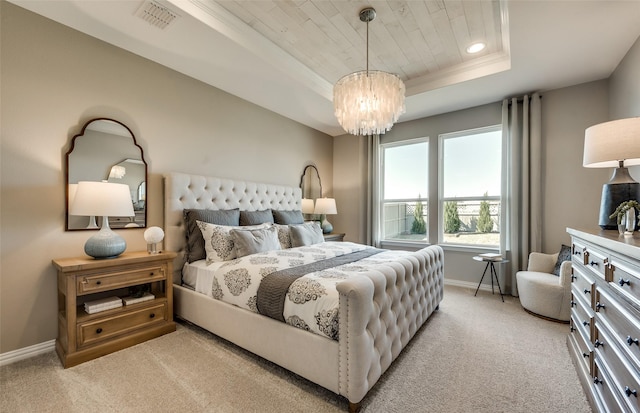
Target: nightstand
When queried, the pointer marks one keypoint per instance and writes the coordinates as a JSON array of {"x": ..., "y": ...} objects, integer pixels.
[
  {"x": 334, "y": 236},
  {"x": 83, "y": 336}
]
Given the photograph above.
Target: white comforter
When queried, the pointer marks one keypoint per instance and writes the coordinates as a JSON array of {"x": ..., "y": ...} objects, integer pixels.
[{"x": 312, "y": 300}]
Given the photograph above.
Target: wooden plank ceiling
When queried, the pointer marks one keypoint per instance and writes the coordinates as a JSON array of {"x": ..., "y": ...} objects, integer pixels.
[{"x": 411, "y": 38}]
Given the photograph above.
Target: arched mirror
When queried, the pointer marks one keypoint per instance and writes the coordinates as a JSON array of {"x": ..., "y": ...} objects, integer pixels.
[
  {"x": 106, "y": 150},
  {"x": 310, "y": 183}
]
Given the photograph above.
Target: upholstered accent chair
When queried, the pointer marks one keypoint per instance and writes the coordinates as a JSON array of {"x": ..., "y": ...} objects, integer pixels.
[{"x": 543, "y": 293}]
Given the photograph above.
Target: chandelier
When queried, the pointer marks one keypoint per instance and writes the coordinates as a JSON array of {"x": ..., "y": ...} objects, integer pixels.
[{"x": 368, "y": 102}]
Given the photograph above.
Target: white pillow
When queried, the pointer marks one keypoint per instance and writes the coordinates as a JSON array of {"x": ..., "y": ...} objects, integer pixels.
[
  {"x": 306, "y": 234},
  {"x": 251, "y": 241},
  {"x": 218, "y": 242}
]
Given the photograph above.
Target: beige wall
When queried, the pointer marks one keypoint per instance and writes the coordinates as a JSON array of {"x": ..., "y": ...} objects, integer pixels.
[{"x": 53, "y": 80}]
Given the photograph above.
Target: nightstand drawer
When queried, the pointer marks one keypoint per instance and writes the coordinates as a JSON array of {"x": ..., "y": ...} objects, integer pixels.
[
  {"x": 102, "y": 329},
  {"x": 88, "y": 284}
]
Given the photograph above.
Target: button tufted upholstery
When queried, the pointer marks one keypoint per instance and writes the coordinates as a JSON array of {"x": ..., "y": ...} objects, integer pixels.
[
  {"x": 379, "y": 312},
  {"x": 185, "y": 191}
]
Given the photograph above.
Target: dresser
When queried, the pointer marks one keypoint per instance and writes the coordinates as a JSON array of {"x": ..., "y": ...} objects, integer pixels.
[
  {"x": 604, "y": 337},
  {"x": 83, "y": 336}
]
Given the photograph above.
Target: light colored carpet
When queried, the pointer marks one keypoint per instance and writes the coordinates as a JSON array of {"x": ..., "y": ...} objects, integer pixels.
[{"x": 476, "y": 354}]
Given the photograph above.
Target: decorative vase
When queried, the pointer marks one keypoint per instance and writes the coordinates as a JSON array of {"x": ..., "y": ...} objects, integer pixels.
[
  {"x": 621, "y": 224},
  {"x": 629, "y": 221}
]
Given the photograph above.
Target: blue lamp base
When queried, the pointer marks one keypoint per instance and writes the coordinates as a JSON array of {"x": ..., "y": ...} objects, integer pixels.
[
  {"x": 327, "y": 228},
  {"x": 105, "y": 244}
]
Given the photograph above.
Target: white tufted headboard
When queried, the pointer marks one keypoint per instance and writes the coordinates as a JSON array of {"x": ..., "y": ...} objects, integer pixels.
[{"x": 185, "y": 191}]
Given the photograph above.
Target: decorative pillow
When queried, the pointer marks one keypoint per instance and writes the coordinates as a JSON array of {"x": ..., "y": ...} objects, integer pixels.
[
  {"x": 306, "y": 234},
  {"x": 250, "y": 241},
  {"x": 195, "y": 243},
  {"x": 256, "y": 217},
  {"x": 284, "y": 235},
  {"x": 218, "y": 243},
  {"x": 288, "y": 217},
  {"x": 564, "y": 255}
]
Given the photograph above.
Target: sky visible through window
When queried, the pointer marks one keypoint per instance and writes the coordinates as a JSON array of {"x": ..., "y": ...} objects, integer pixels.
[{"x": 406, "y": 171}]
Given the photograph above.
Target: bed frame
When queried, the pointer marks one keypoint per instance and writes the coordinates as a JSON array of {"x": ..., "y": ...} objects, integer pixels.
[{"x": 378, "y": 313}]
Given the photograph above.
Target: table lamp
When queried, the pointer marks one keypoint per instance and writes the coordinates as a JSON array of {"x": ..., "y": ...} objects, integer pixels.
[
  {"x": 324, "y": 207},
  {"x": 103, "y": 199}
]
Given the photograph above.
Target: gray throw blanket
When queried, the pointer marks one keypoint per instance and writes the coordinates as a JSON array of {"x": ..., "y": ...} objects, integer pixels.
[{"x": 273, "y": 288}]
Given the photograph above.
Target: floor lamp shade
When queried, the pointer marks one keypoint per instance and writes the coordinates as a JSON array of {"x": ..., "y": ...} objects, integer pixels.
[
  {"x": 614, "y": 144},
  {"x": 103, "y": 199}
]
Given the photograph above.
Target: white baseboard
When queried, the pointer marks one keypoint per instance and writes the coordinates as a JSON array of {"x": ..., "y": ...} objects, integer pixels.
[
  {"x": 467, "y": 284},
  {"x": 27, "y": 352}
]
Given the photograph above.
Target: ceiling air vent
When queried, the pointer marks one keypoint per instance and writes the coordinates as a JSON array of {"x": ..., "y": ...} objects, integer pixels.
[{"x": 156, "y": 14}]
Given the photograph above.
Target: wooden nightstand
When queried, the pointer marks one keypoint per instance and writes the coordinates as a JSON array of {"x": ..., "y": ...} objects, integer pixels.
[
  {"x": 83, "y": 336},
  {"x": 334, "y": 236}
]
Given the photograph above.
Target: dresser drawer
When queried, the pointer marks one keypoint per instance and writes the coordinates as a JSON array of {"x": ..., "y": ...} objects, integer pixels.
[
  {"x": 582, "y": 343},
  {"x": 88, "y": 284},
  {"x": 626, "y": 383},
  {"x": 625, "y": 278},
  {"x": 623, "y": 327},
  {"x": 582, "y": 314},
  {"x": 583, "y": 286},
  {"x": 596, "y": 261},
  {"x": 604, "y": 388},
  {"x": 102, "y": 329},
  {"x": 578, "y": 253}
]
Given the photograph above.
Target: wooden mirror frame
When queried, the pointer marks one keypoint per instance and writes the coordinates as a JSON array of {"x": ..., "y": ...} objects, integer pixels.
[{"x": 73, "y": 143}]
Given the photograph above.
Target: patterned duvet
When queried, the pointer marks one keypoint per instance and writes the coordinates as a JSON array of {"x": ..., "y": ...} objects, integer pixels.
[{"x": 312, "y": 300}]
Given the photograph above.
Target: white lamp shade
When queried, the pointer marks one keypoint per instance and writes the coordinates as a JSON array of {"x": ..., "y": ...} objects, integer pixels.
[
  {"x": 608, "y": 143},
  {"x": 102, "y": 199},
  {"x": 325, "y": 206},
  {"x": 307, "y": 206}
]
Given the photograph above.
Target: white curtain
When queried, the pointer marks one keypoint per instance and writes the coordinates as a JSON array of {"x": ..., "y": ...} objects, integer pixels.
[
  {"x": 373, "y": 190},
  {"x": 522, "y": 214}
]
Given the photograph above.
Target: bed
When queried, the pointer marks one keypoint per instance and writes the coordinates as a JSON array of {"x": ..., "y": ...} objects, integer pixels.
[{"x": 378, "y": 310}]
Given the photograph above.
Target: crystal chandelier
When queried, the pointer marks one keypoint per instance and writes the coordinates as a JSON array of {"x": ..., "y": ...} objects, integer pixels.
[{"x": 369, "y": 101}]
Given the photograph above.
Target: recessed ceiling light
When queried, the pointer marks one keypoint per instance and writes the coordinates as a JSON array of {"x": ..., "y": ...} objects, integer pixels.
[{"x": 476, "y": 47}]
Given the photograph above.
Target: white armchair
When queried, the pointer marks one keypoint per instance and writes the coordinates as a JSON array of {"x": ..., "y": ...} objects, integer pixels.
[{"x": 541, "y": 292}]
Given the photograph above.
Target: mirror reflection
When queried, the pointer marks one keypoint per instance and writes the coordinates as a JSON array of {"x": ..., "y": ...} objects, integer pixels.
[
  {"x": 106, "y": 150},
  {"x": 310, "y": 183}
]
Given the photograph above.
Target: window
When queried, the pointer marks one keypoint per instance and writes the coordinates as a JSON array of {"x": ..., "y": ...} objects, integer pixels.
[
  {"x": 470, "y": 187},
  {"x": 404, "y": 192}
]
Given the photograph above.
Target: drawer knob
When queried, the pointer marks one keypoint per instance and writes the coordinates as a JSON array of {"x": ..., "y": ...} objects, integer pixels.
[
  {"x": 577, "y": 252},
  {"x": 573, "y": 303},
  {"x": 630, "y": 392},
  {"x": 573, "y": 278},
  {"x": 622, "y": 282},
  {"x": 98, "y": 330},
  {"x": 151, "y": 274},
  {"x": 599, "y": 306},
  {"x": 585, "y": 323},
  {"x": 631, "y": 341},
  {"x": 587, "y": 291},
  {"x": 596, "y": 380},
  {"x": 152, "y": 315},
  {"x": 572, "y": 329},
  {"x": 598, "y": 343},
  {"x": 585, "y": 355},
  {"x": 594, "y": 264}
]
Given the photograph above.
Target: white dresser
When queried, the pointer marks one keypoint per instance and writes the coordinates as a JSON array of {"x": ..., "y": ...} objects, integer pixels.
[{"x": 604, "y": 340}]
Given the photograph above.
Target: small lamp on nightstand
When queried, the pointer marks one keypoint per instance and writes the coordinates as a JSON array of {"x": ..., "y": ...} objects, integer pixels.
[
  {"x": 103, "y": 199},
  {"x": 324, "y": 207}
]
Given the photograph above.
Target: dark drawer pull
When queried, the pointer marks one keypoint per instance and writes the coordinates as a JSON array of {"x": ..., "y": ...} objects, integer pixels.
[
  {"x": 573, "y": 303},
  {"x": 573, "y": 278},
  {"x": 585, "y": 355},
  {"x": 629, "y": 392},
  {"x": 598, "y": 343},
  {"x": 98, "y": 282},
  {"x": 594, "y": 264},
  {"x": 572, "y": 329},
  {"x": 98, "y": 330},
  {"x": 577, "y": 252},
  {"x": 585, "y": 323},
  {"x": 599, "y": 306},
  {"x": 151, "y": 274},
  {"x": 631, "y": 341},
  {"x": 587, "y": 291},
  {"x": 622, "y": 282},
  {"x": 596, "y": 380},
  {"x": 152, "y": 315}
]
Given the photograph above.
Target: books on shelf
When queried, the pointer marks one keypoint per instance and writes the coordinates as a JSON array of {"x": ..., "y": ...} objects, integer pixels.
[
  {"x": 102, "y": 304},
  {"x": 133, "y": 300},
  {"x": 491, "y": 256}
]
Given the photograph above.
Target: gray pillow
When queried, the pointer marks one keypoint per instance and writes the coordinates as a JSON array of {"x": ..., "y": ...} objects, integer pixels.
[
  {"x": 564, "y": 255},
  {"x": 256, "y": 217},
  {"x": 306, "y": 234},
  {"x": 251, "y": 241},
  {"x": 194, "y": 250},
  {"x": 288, "y": 217}
]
